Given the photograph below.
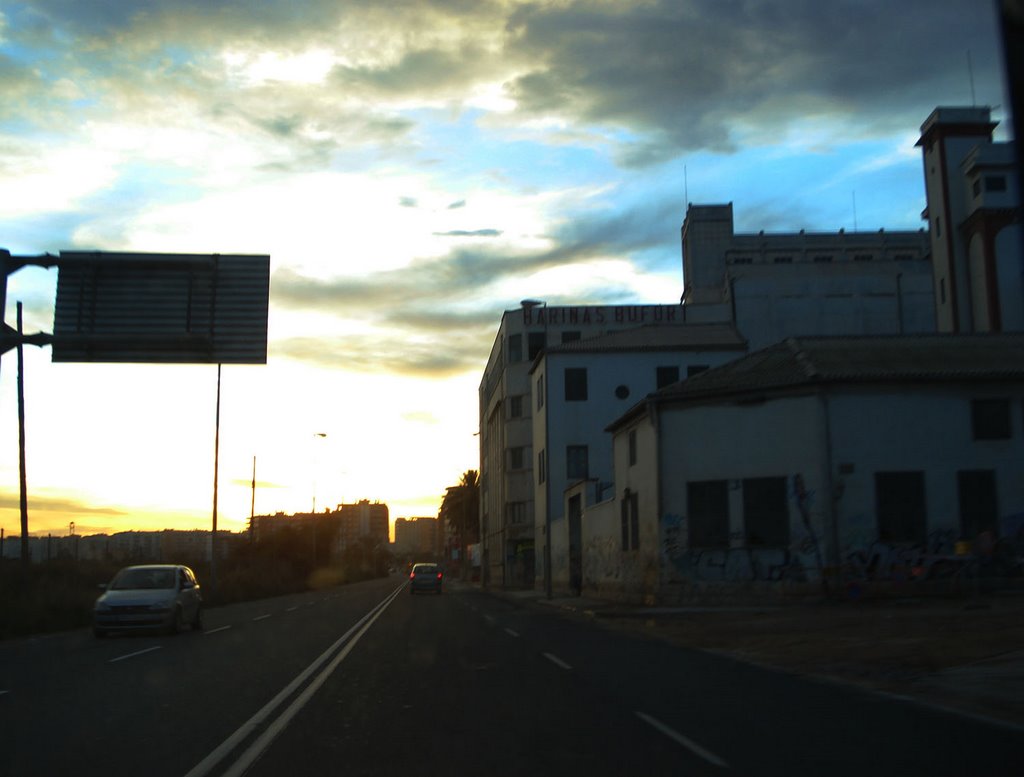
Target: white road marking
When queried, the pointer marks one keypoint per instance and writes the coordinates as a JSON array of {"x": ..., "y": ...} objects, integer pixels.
[
  {"x": 219, "y": 628},
  {"x": 231, "y": 744},
  {"x": 136, "y": 653},
  {"x": 689, "y": 744},
  {"x": 556, "y": 661},
  {"x": 490, "y": 619},
  {"x": 261, "y": 617},
  {"x": 3, "y": 692},
  {"x": 292, "y": 609},
  {"x": 512, "y": 633}
]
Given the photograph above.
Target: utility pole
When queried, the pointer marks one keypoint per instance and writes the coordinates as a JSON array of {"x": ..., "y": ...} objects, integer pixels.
[{"x": 23, "y": 482}]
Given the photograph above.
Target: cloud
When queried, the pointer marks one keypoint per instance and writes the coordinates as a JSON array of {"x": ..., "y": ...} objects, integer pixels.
[
  {"x": 12, "y": 502},
  {"x": 470, "y": 233}
]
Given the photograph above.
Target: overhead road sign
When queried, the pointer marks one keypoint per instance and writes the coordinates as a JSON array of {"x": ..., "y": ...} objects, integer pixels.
[{"x": 161, "y": 308}]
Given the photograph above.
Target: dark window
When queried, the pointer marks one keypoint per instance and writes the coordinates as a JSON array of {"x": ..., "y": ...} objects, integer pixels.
[
  {"x": 783, "y": 260},
  {"x": 863, "y": 257},
  {"x": 576, "y": 462},
  {"x": 630, "y": 518},
  {"x": 515, "y": 406},
  {"x": 765, "y": 512},
  {"x": 976, "y": 187},
  {"x": 695, "y": 369},
  {"x": 515, "y": 512},
  {"x": 666, "y": 376},
  {"x": 900, "y": 504},
  {"x": 515, "y": 348},
  {"x": 632, "y": 447},
  {"x": 995, "y": 183},
  {"x": 942, "y": 290},
  {"x": 707, "y": 503},
  {"x": 990, "y": 419},
  {"x": 540, "y": 392},
  {"x": 515, "y": 457},
  {"x": 938, "y": 227},
  {"x": 979, "y": 508},
  {"x": 823, "y": 259},
  {"x": 903, "y": 257},
  {"x": 743, "y": 260},
  {"x": 570, "y": 337},
  {"x": 535, "y": 344},
  {"x": 541, "y": 467},
  {"x": 575, "y": 384}
]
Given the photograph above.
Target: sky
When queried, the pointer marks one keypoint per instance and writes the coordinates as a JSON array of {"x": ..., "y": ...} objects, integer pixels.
[{"x": 413, "y": 169}]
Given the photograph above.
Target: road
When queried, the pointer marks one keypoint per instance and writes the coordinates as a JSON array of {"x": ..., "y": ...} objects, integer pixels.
[{"x": 368, "y": 680}]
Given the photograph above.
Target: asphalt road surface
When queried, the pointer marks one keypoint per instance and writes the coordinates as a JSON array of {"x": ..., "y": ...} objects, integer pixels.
[{"x": 368, "y": 680}]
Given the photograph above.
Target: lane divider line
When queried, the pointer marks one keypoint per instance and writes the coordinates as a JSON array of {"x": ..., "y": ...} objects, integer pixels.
[
  {"x": 686, "y": 742},
  {"x": 556, "y": 661},
  {"x": 220, "y": 752},
  {"x": 261, "y": 617},
  {"x": 511, "y": 632},
  {"x": 490, "y": 620},
  {"x": 136, "y": 653},
  {"x": 219, "y": 628},
  {"x": 292, "y": 609}
]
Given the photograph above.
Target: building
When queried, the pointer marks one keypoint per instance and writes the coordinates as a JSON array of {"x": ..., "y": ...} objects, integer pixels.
[
  {"x": 581, "y": 386},
  {"x": 867, "y": 458},
  {"x": 507, "y": 521},
  {"x": 417, "y": 537},
  {"x": 362, "y": 519},
  {"x": 973, "y": 213},
  {"x": 773, "y": 286}
]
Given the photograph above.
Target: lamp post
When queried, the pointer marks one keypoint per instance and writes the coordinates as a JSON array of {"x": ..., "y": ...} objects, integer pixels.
[{"x": 316, "y": 435}]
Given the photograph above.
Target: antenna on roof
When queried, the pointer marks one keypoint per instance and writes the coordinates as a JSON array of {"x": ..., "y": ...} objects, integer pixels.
[{"x": 970, "y": 75}]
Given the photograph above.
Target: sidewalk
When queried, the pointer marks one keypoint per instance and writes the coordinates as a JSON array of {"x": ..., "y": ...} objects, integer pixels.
[{"x": 961, "y": 654}]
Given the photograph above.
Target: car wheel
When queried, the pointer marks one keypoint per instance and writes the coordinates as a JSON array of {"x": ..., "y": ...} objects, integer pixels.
[
  {"x": 177, "y": 621},
  {"x": 197, "y": 622}
]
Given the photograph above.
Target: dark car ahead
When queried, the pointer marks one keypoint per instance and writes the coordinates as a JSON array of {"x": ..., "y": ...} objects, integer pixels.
[
  {"x": 425, "y": 577},
  {"x": 151, "y": 596}
]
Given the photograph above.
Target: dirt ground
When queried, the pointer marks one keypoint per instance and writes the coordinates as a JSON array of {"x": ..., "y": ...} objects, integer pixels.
[{"x": 962, "y": 653}]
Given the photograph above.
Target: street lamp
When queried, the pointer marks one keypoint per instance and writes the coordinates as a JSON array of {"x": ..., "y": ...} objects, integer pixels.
[{"x": 315, "y": 436}]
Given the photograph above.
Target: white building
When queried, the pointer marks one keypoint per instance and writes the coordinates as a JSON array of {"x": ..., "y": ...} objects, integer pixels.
[
  {"x": 872, "y": 457},
  {"x": 973, "y": 214},
  {"x": 506, "y": 491},
  {"x": 774, "y": 286},
  {"x": 580, "y": 387}
]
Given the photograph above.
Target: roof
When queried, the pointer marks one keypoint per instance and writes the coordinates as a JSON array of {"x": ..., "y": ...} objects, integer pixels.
[
  {"x": 672, "y": 337},
  {"x": 817, "y": 361}
]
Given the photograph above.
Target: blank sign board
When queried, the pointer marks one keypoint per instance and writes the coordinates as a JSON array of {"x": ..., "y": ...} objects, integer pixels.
[{"x": 163, "y": 308}]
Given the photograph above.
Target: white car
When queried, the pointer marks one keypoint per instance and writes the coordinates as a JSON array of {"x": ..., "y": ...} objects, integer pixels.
[{"x": 152, "y": 596}]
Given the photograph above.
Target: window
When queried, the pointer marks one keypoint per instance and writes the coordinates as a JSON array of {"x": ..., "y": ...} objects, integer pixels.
[
  {"x": 515, "y": 406},
  {"x": 515, "y": 457},
  {"x": 976, "y": 187},
  {"x": 540, "y": 392},
  {"x": 694, "y": 369},
  {"x": 863, "y": 257},
  {"x": 515, "y": 348},
  {"x": 515, "y": 512},
  {"x": 630, "y": 519},
  {"x": 666, "y": 376},
  {"x": 542, "y": 462},
  {"x": 743, "y": 260},
  {"x": 576, "y": 462},
  {"x": 942, "y": 290},
  {"x": 783, "y": 260},
  {"x": 822, "y": 259},
  {"x": 990, "y": 419},
  {"x": 765, "y": 512},
  {"x": 995, "y": 183},
  {"x": 575, "y": 384},
  {"x": 632, "y": 447},
  {"x": 707, "y": 504},
  {"x": 570, "y": 337},
  {"x": 903, "y": 257},
  {"x": 535, "y": 344},
  {"x": 900, "y": 505},
  {"x": 979, "y": 507},
  {"x": 938, "y": 227}
]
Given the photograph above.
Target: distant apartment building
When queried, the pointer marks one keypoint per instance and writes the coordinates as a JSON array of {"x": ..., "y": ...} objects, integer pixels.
[
  {"x": 166, "y": 545},
  {"x": 974, "y": 218},
  {"x": 363, "y": 519},
  {"x": 339, "y": 528},
  {"x": 507, "y": 520},
  {"x": 417, "y": 537}
]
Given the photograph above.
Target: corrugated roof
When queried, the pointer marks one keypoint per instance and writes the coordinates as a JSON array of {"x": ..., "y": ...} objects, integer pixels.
[
  {"x": 816, "y": 360},
  {"x": 658, "y": 338}
]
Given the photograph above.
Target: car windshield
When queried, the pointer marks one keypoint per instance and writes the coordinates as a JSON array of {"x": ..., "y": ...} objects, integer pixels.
[
  {"x": 424, "y": 569},
  {"x": 137, "y": 579}
]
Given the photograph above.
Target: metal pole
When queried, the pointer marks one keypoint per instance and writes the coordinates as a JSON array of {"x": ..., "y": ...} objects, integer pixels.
[
  {"x": 252, "y": 508},
  {"x": 23, "y": 482},
  {"x": 216, "y": 469}
]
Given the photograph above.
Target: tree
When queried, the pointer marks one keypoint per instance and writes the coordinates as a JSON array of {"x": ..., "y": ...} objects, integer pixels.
[{"x": 460, "y": 512}]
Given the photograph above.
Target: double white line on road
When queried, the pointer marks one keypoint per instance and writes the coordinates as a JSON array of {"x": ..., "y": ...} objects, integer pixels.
[{"x": 262, "y": 742}]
